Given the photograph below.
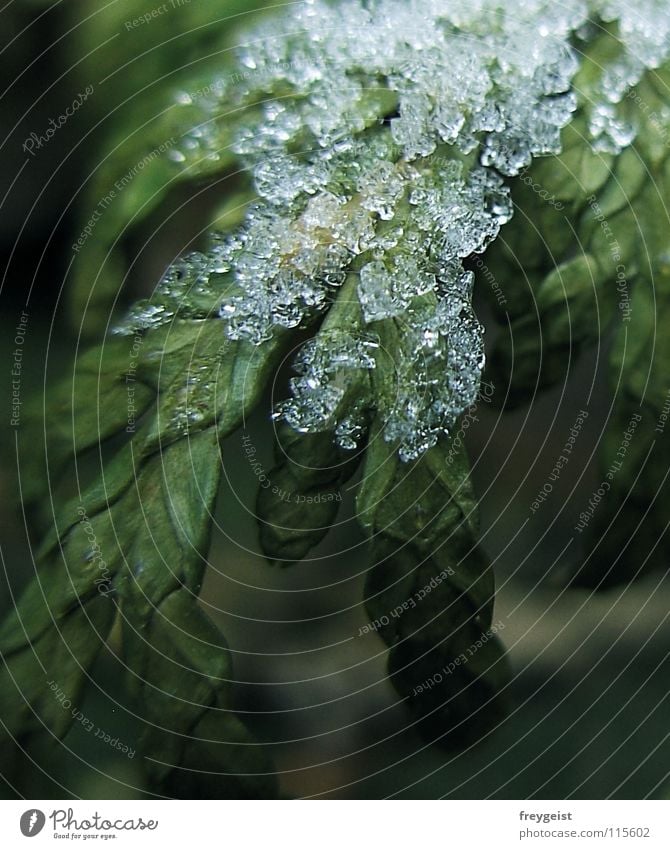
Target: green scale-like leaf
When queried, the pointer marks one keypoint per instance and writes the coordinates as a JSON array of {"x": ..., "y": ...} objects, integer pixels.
[
  {"x": 430, "y": 590},
  {"x": 134, "y": 546}
]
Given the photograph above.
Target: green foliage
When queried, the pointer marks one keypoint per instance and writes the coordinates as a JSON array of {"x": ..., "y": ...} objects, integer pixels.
[
  {"x": 580, "y": 218},
  {"x": 138, "y": 70},
  {"x": 131, "y": 547},
  {"x": 431, "y": 589},
  {"x": 300, "y": 503},
  {"x": 593, "y": 273}
]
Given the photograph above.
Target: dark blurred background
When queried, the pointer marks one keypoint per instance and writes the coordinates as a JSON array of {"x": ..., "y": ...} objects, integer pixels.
[{"x": 590, "y": 714}]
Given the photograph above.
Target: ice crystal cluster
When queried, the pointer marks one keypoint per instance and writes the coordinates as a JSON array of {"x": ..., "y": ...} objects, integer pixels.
[{"x": 379, "y": 135}]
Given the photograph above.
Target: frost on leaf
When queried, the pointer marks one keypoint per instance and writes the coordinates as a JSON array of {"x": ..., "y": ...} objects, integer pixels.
[{"x": 378, "y": 136}]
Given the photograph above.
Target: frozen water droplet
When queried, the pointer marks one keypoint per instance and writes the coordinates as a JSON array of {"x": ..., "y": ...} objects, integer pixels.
[{"x": 338, "y": 178}]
